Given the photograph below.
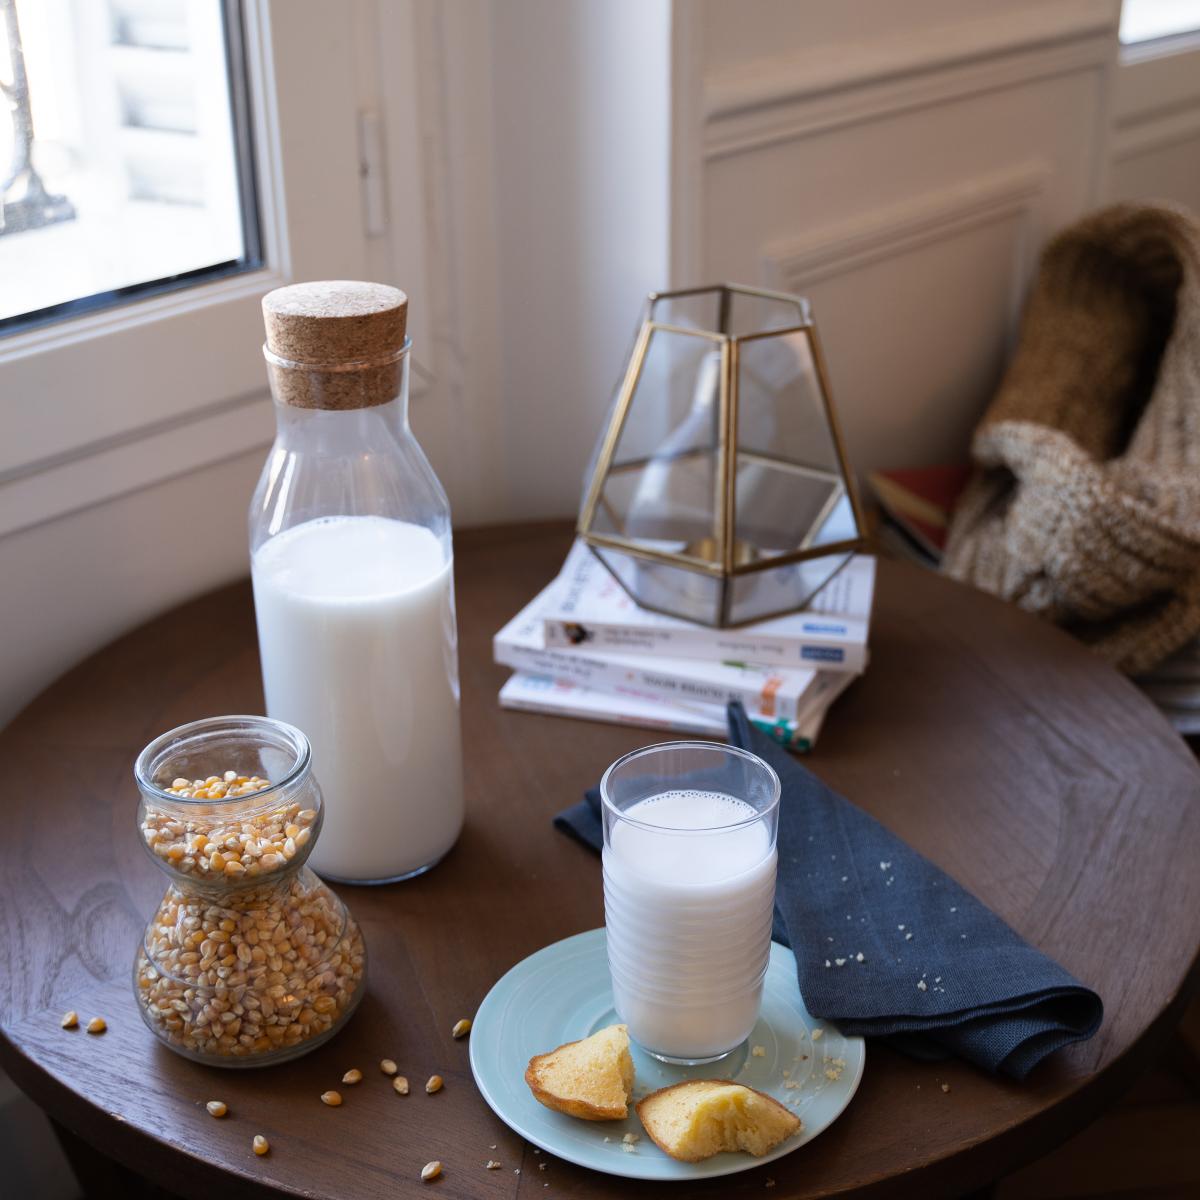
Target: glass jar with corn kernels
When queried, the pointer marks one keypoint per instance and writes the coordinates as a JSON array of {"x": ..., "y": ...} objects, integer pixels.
[{"x": 250, "y": 958}]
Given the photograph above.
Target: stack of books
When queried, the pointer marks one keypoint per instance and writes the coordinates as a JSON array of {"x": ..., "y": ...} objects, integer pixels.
[
  {"x": 583, "y": 648},
  {"x": 915, "y": 507}
]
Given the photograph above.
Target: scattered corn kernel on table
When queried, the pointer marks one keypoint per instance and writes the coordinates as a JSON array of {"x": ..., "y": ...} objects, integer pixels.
[{"x": 992, "y": 743}]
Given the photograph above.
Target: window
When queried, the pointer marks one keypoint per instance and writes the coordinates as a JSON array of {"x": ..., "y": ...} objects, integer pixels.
[
  {"x": 1145, "y": 20},
  {"x": 130, "y": 151},
  {"x": 165, "y": 375}
]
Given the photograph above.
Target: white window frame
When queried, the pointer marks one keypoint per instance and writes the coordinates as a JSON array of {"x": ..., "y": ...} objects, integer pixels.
[
  {"x": 1128, "y": 6},
  {"x": 101, "y": 404}
]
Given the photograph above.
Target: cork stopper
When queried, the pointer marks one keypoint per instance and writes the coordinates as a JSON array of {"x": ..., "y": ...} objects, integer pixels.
[{"x": 335, "y": 344}]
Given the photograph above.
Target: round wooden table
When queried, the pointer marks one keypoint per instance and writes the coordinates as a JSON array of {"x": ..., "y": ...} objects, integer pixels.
[{"x": 994, "y": 744}]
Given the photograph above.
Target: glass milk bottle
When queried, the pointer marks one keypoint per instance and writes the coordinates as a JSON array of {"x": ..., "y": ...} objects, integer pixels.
[{"x": 352, "y": 566}]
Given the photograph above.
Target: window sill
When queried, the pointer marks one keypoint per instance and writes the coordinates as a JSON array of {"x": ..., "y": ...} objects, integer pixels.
[{"x": 106, "y": 247}]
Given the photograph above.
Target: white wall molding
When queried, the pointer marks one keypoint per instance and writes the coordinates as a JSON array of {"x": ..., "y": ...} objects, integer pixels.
[
  {"x": 1148, "y": 86},
  {"x": 1168, "y": 129},
  {"x": 780, "y": 98},
  {"x": 797, "y": 263},
  {"x": 125, "y": 463},
  {"x": 767, "y": 81},
  {"x": 1156, "y": 121},
  {"x": 1156, "y": 101}
]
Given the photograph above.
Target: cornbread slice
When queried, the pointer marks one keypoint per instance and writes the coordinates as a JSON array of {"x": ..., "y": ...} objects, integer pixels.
[
  {"x": 695, "y": 1120},
  {"x": 591, "y": 1078}
]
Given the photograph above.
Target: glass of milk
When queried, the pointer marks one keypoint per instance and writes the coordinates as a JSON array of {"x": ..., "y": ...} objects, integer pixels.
[{"x": 689, "y": 892}]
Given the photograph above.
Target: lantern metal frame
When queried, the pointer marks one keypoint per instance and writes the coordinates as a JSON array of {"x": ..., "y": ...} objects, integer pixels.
[{"x": 725, "y": 567}]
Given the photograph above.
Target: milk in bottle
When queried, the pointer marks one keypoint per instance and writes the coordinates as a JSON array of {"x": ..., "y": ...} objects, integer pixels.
[{"x": 352, "y": 566}]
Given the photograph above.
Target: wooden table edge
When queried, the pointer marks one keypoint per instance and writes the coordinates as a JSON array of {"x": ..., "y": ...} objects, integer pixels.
[{"x": 970, "y": 1168}]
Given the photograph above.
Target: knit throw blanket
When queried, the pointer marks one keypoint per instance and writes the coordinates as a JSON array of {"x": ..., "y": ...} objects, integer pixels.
[{"x": 1085, "y": 507}]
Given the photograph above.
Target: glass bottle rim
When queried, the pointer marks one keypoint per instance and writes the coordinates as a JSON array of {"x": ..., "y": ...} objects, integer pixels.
[
  {"x": 747, "y": 756},
  {"x": 148, "y": 760}
]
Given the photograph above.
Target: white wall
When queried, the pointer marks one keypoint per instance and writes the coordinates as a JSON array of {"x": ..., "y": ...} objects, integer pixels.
[
  {"x": 546, "y": 127},
  {"x": 581, "y": 112}
]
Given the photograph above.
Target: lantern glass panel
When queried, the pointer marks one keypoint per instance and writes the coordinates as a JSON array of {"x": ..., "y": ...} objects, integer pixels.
[
  {"x": 781, "y": 589},
  {"x": 790, "y": 493},
  {"x": 693, "y": 310},
  {"x": 666, "y": 587},
  {"x": 750, "y": 313},
  {"x": 661, "y": 489}
]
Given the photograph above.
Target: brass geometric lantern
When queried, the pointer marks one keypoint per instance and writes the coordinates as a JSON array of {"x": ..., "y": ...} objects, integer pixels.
[{"x": 719, "y": 490}]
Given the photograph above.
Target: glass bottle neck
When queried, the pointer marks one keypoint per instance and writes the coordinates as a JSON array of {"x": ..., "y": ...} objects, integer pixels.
[
  {"x": 355, "y": 402},
  {"x": 342, "y": 414},
  {"x": 345, "y": 432},
  {"x": 345, "y": 460}
]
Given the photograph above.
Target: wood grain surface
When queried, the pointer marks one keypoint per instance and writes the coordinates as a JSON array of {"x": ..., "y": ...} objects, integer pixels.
[{"x": 995, "y": 745}]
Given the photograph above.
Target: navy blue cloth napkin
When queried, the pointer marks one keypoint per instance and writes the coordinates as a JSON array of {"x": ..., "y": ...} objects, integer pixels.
[{"x": 888, "y": 945}]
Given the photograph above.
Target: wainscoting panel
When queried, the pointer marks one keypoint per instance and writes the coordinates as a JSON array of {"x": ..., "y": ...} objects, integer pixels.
[
  {"x": 913, "y": 227},
  {"x": 1163, "y": 166},
  {"x": 916, "y": 338},
  {"x": 1155, "y": 149},
  {"x": 894, "y": 290}
]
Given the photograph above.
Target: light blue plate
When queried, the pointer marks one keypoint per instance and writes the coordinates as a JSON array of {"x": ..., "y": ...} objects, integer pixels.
[{"x": 563, "y": 993}]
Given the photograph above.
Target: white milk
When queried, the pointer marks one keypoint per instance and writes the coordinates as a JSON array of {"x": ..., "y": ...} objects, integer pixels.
[
  {"x": 688, "y": 916},
  {"x": 357, "y": 638}
]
